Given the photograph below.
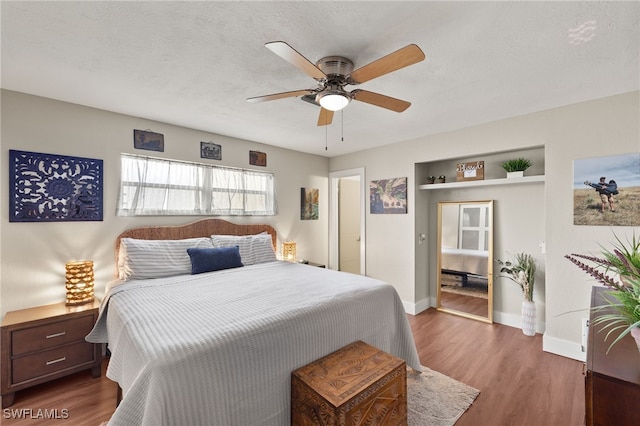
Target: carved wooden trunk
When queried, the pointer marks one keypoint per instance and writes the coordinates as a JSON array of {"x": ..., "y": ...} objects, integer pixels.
[{"x": 355, "y": 385}]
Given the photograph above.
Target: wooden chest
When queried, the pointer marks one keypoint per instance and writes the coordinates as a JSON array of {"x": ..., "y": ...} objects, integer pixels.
[{"x": 356, "y": 385}]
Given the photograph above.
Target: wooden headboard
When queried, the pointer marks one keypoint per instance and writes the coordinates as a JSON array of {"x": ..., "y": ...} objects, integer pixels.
[{"x": 200, "y": 228}]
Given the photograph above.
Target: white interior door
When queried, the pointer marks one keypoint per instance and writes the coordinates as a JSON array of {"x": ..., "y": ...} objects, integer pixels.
[
  {"x": 349, "y": 224},
  {"x": 347, "y": 221}
]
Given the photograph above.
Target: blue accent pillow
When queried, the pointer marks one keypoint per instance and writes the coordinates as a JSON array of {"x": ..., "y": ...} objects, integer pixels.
[{"x": 214, "y": 259}]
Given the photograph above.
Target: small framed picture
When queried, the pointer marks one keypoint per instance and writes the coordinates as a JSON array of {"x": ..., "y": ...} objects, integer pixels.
[
  {"x": 470, "y": 171},
  {"x": 309, "y": 201},
  {"x": 145, "y": 139},
  {"x": 210, "y": 150},
  {"x": 257, "y": 158}
]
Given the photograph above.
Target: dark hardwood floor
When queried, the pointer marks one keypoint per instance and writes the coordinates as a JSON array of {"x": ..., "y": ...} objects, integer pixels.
[
  {"x": 471, "y": 305},
  {"x": 519, "y": 384}
]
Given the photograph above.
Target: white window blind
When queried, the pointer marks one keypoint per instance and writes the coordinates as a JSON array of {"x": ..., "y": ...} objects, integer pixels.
[{"x": 156, "y": 186}]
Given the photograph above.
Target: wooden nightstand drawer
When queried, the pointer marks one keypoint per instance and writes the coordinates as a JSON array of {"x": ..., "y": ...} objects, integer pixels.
[
  {"x": 44, "y": 343},
  {"x": 50, "y": 335},
  {"x": 52, "y": 361}
]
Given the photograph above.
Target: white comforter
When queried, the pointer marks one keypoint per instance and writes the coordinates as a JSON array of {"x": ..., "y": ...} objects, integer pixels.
[{"x": 219, "y": 348}]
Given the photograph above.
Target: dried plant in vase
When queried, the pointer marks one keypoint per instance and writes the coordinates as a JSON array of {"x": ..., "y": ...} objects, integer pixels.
[
  {"x": 522, "y": 271},
  {"x": 619, "y": 270}
]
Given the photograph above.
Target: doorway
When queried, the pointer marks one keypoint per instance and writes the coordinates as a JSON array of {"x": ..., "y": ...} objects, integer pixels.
[{"x": 347, "y": 221}]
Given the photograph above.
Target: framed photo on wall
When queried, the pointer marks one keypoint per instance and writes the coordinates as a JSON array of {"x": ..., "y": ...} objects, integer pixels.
[
  {"x": 606, "y": 190},
  {"x": 309, "y": 203},
  {"x": 257, "y": 158},
  {"x": 145, "y": 139},
  {"x": 388, "y": 196},
  {"x": 210, "y": 150}
]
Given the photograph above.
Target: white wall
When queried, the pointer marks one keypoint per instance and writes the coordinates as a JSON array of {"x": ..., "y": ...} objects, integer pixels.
[
  {"x": 34, "y": 254},
  {"x": 602, "y": 127}
]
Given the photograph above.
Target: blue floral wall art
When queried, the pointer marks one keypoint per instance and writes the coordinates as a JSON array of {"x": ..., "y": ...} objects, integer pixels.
[{"x": 54, "y": 188}]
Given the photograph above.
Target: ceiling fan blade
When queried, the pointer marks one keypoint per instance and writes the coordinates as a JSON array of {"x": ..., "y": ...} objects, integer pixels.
[
  {"x": 295, "y": 58},
  {"x": 282, "y": 95},
  {"x": 382, "y": 101},
  {"x": 401, "y": 58},
  {"x": 325, "y": 117}
]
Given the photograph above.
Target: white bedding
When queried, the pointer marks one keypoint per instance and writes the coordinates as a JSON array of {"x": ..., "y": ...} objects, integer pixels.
[
  {"x": 471, "y": 261},
  {"x": 218, "y": 348}
]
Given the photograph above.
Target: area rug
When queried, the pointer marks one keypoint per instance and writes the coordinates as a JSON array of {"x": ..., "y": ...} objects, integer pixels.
[
  {"x": 435, "y": 399},
  {"x": 480, "y": 293}
]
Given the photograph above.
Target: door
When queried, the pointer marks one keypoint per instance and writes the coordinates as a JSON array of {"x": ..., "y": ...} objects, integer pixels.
[
  {"x": 349, "y": 224},
  {"x": 346, "y": 221}
]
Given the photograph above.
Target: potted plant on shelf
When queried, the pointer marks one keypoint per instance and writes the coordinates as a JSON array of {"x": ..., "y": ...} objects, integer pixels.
[
  {"x": 516, "y": 167},
  {"x": 619, "y": 270},
  {"x": 442, "y": 178},
  {"x": 431, "y": 179},
  {"x": 522, "y": 271}
]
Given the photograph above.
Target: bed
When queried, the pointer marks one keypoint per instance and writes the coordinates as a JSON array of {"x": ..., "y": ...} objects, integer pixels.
[
  {"x": 218, "y": 347},
  {"x": 463, "y": 262}
]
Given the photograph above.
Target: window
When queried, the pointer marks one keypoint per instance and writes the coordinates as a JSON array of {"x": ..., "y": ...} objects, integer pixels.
[
  {"x": 155, "y": 186},
  {"x": 474, "y": 227}
]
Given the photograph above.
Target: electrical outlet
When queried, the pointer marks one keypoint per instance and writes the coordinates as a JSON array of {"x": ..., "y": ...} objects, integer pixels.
[{"x": 585, "y": 333}]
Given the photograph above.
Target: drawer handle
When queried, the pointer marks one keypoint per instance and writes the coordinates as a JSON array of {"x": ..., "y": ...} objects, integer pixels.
[
  {"x": 55, "y": 361},
  {"x": 51, "y": 336}
]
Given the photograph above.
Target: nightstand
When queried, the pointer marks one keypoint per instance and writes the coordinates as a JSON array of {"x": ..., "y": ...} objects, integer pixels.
[
  {"x": 45, "y": 343},
  {"x": 307, "y": 262}
]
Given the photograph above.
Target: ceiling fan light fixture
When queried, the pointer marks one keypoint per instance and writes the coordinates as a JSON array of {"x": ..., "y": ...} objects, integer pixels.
[{"x": 332, "y": 100}]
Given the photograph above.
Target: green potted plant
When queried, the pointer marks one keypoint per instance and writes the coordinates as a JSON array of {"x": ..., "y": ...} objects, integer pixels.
[
  {"x": 442, "y": 178},
  {"x": 619, "y": 270},
  {"x": 522, "y": 271},
  {"x": 431, "y": 179},
  {"x": 516, "y": 166}
]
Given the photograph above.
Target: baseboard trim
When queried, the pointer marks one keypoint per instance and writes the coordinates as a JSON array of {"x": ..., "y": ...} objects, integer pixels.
[
  {"x": 416, "y": 308},
  {"x": 550, "y": 344},
  {"x": 563, "y": 348}
]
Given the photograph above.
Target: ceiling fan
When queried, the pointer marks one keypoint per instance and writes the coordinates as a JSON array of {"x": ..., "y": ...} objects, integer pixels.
[{"x": 333, "y": 73}]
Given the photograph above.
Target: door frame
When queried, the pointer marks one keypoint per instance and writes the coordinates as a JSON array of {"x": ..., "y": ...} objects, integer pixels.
[{"x": 334, "y": 237}]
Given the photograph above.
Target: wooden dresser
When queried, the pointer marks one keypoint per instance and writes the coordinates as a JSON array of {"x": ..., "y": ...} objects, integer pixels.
[
  {"x": 45, "y": 343},
  {"x": 612, "y": 383},
  {"x": 355, "y": 385}
]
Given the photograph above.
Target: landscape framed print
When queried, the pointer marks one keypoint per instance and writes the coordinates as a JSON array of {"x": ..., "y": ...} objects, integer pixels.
[
  {"x": 606, "y": 190},
  {"x": 146, "y": 139}
]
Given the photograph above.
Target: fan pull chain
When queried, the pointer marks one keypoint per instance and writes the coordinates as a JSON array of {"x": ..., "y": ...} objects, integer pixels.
[
  {"x": 342, "y": 124},
  {"x": 326, "y": 136}
]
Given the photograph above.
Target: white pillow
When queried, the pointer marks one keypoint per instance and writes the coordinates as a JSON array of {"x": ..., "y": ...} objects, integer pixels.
[
  {"x": 253, "y": 248},
  {"x": 262, "y": 247},
  {"x": 144, "y": 259}
]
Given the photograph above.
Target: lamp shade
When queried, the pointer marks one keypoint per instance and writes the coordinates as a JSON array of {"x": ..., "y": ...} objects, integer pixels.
[
  {"x": 289, "y": 251},
  {"x": 333, "y": 100},
  {"x": 79, "y": 282}
]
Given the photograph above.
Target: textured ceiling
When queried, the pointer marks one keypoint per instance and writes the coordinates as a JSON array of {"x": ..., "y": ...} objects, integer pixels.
[{"x": 193, "y": 64}]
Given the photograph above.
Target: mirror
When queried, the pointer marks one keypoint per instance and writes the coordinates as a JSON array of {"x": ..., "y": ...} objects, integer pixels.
[{"x": 465, "y": 253}]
